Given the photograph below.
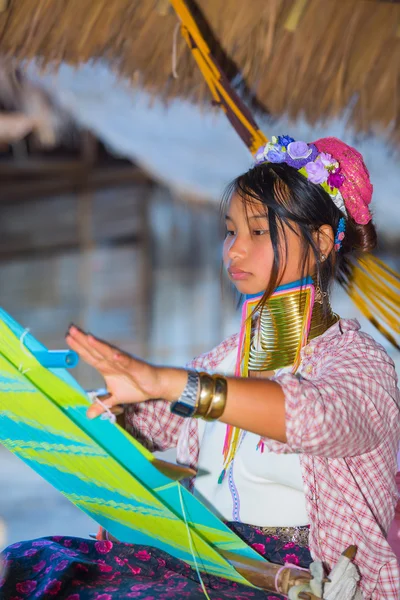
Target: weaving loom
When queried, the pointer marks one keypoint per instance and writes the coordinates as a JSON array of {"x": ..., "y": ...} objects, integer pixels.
[{"x": 103, "y": 470}]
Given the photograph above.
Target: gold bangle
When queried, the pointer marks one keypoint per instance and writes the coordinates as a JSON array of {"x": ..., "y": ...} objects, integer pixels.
[
  {"x": 218, "y": 402},
  {"x": 206, "y": 393}
]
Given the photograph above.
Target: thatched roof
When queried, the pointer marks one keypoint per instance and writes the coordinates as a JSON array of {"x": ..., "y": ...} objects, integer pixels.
[{"x": 317, "y": 56}]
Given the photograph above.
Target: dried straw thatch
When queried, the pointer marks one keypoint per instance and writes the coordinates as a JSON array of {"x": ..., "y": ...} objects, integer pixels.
[{"x": 316, "y": 56}]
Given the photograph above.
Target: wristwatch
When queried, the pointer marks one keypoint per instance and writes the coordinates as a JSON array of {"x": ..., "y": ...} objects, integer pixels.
[{"x": 186, "y": 404}]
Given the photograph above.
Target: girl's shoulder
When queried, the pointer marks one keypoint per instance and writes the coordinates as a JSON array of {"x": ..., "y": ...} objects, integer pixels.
[
  {"x": 211, "y": 359},
  {"x": 346, "y": 344}
]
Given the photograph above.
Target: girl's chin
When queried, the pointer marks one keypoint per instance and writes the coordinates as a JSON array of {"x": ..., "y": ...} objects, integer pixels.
[{"x": 245, "y": 287}]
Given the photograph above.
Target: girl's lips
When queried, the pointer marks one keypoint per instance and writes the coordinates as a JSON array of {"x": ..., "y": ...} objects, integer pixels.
[{"x": 238, "y": 274}]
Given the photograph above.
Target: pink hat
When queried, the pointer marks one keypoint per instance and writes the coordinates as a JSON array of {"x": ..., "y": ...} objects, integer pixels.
[{"x": 357, "y": 187}]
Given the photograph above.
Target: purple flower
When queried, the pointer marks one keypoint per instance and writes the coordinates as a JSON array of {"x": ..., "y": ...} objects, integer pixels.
[
  {"x": 42, "y": 543},
  {"x": 83, "y": 547},
  {"x": 276, "y": 155},
  {"x": 298, "y": 150},
  {"x": 336, "y": 179},
  {"x": 53, "y": 587},
  {"x": 62, "y": 565},
  {"x": 316, "y": 172},
  {"x": 298, "y": 163},
  {"x": 327, "y": 159},
  {"x": 260, "y": 155},
  {"x": 285, "y": 140},
  {"x": 39, "y": 566},
  {"x": 25, "y": 587}
]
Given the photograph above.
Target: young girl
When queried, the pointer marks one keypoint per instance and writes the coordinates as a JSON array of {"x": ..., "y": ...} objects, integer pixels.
[{"x": 293, "y": 424}]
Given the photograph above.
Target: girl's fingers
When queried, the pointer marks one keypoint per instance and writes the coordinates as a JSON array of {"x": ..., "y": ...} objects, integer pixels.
[
  {"x": 97, "y": 408},
  {"x": 82, "y": 338},
  {"x": 106, "y": 350},
  {"x": 94, "y": 345},
  {"x": 92, "y": 358}
]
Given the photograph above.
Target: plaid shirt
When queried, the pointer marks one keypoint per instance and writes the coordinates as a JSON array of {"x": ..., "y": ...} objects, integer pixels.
[{"x": 343, "y": 418}]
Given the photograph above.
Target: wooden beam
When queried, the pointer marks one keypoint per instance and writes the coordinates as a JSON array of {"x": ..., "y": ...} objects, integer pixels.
[
  {"x": 39, "y": 167},
  {"x": 97, "y": 179}
]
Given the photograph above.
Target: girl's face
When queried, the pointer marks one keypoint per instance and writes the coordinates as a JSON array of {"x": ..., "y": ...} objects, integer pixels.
[{"x": 248, "y": 254}]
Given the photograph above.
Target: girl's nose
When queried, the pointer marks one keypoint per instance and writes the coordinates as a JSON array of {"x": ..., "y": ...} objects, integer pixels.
[{"x": 237, "y": 248}]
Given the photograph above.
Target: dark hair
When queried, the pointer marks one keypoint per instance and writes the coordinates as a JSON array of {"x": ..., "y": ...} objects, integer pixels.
[{"x": 291, "y": 199}]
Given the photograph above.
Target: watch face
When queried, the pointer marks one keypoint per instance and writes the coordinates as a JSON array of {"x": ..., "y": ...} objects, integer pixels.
[{"x": 184, "y": 410}]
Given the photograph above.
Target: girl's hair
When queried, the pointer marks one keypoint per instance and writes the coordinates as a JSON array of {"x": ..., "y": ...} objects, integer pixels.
[{"x": 290, "y": 199}]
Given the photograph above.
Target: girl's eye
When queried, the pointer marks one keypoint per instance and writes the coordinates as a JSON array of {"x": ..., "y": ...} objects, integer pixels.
[
  {"x": 260, "y": 231},
  {"x": 229, "y": 232}
]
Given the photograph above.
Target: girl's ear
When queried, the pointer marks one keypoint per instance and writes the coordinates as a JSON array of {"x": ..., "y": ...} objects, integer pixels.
[{"x": 324, "y": 238}]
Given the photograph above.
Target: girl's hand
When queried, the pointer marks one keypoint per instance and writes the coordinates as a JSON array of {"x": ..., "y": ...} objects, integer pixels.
[{"x": 128, "y": 380}]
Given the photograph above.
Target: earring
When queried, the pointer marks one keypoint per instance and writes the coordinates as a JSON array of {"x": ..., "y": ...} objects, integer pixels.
[{"x": 323, "y": 257}]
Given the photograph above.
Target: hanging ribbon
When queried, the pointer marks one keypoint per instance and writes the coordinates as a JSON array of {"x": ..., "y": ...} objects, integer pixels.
[{"x": 221, "y": 90}]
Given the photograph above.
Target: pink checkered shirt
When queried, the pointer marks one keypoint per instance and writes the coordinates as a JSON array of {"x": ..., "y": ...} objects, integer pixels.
[{"x": 343, "y": 418}]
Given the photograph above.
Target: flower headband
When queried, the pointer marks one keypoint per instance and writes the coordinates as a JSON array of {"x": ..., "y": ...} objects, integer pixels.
[{"x": 318, "y": 167}]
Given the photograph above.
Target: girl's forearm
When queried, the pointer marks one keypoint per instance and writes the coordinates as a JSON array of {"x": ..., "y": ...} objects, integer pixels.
[{"x": 255, "y": 405}]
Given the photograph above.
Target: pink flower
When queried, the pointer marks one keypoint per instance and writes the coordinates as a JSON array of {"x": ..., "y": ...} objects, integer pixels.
[
  {"x": 292, "y": 559},
  {"x": 57, "y": 538},
  {"x": 135, "y": 570},
  {"x": 53, "y": 587},
  {"x": 82, "y": 567},
  {"x": 48, "y": 570},
  {"x": 62, "y": 565},
  {"x": 103, "y": 547},
  {"x": 289, "y": 545},
  {"x": 83, "y": 547},
  {"x": 259, "y": 548},
  {"x": 340, "y": 236},
  {"x": 25, "y": 587},
  {"x": 39, "y": 566},
  {"x": 143, "y": 555},
  {"x": 161, "y": 562},
  {"x": 105, "y": 568},
  {"x": 67, "y": 543},
  {"x": 120, "y": 561},
  {"x": 104, "y": 597},
  {"x": 111, "y": 589},
  {"x": 30, "y": 552}
]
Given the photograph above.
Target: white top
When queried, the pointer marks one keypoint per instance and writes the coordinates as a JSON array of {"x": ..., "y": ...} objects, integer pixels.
[{"x": 260, "y": 488}]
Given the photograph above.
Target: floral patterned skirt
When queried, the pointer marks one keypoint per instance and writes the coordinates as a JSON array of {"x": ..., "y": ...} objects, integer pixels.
[{"x": 80, "y": 569}]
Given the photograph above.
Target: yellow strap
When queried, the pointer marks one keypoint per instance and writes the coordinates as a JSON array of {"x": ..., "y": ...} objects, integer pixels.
[{"x": 221, "y": 91}]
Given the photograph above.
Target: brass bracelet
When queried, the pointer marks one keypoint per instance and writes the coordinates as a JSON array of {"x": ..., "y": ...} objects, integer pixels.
[
  {"x": 218, "y": 401},
  {"x": 206, "y": 393}
]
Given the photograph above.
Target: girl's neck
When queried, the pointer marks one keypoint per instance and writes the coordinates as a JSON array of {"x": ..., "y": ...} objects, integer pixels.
[{"x": 291, "y": 317}]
